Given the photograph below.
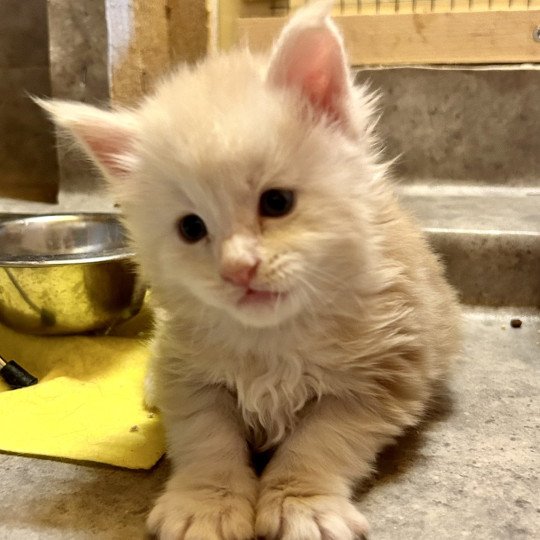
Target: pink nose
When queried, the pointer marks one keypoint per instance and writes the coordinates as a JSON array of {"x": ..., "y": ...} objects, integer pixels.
[{"x": 240, "y": 275}]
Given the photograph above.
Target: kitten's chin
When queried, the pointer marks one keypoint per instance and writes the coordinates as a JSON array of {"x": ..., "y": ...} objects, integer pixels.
[{"x": 264, "y": 311}]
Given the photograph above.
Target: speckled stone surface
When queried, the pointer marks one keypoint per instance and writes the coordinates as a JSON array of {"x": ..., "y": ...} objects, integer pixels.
[
  {"x": 470, "y": 472},
  {"x": 461, "y": 125},
  {"x": 47, "y": 499}
]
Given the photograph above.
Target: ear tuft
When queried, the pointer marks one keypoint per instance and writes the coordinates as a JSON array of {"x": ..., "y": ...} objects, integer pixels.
[
  {"x": 107, "y": 137},
  {"x": 309, "y": 58}
]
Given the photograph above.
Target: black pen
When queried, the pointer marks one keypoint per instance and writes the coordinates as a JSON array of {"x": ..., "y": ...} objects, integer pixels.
[{"x": 14, "y": 375}]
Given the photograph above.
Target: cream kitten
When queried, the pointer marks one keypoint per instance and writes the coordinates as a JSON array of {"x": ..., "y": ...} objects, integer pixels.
[{"x": 299, "y": 308}]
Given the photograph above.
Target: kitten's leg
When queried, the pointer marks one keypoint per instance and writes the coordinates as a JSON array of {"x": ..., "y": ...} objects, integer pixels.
[
  {"x": 212, "y": 491},
  {"x": 149, "y": 390},
  {"x": 306, "y": 488}
]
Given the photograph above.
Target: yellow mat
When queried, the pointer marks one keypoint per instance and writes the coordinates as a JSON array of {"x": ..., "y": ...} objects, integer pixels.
[{"x": 88, "y": 404}]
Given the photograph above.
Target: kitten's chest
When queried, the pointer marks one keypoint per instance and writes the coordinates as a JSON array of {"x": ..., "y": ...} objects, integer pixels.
[
  {"x": 272, "y": 394},
  {"x": 271, "y": 402},
  {"x": 271, "y": 390},
  {"x": 273, "y": 387}
]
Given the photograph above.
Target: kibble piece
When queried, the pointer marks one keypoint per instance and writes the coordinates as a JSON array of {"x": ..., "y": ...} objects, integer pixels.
[{"x": 516, "y": 323}]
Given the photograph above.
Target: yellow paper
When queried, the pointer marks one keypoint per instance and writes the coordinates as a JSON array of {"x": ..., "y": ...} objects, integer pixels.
[{"x": 88, "y": 404}]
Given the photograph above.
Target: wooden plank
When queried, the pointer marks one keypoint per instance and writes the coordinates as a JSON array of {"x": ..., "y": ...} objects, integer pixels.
[
  {"x": 189, "y": 29},
  {"x": 364, "y": 7},
  {"x": 230, "y": 12},
  {"x": 431, "y": 38},
  {"x": 138, "y": 47}
]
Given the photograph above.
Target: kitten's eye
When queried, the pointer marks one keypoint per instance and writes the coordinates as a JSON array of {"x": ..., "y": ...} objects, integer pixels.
[
  {"x": 276, "y": 202},
  {"x": 192, "y": 228}
]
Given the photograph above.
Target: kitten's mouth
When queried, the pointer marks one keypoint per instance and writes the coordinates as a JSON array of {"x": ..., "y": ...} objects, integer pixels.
[{"x": 253, "y": 296}]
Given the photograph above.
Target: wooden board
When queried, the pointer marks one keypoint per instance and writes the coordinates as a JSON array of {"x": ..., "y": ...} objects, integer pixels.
[
  {"x": 189, "y": 30},
  {"x": 370, "y": 7},
  {"x": 138, "y": 47},
  {"x": 431, "y": 38},
  {"x": 146, "y": 38}
]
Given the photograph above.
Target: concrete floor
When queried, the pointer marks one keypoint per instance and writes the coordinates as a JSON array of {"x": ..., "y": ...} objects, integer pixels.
[{"x": 469, "y": 472}]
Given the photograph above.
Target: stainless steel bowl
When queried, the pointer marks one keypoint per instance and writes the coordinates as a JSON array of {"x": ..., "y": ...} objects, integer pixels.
[{"x": 66, "y": 273}]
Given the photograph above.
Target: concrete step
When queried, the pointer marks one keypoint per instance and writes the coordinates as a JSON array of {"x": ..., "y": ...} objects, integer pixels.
[
  {"x": 481, "y": 208},
  {"x": 489, "y": 239}
]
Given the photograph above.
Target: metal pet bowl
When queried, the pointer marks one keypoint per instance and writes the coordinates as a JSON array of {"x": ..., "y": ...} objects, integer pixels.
[{"x": 66, "y": 274}]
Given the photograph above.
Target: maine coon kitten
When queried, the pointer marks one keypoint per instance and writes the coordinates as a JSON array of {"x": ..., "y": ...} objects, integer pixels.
[{"x": 299, "y": 308}]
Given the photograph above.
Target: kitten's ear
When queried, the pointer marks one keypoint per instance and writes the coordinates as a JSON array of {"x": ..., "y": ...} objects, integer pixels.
[
  {"x": 309, "y": 57},
  {"x": 107, "y": 137}
]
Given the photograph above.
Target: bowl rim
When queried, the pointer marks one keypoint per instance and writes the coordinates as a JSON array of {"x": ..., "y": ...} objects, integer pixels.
[{"x": 32, "y": 261}]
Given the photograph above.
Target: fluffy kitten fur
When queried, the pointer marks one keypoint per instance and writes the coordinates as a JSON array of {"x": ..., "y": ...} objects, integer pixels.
[{"x": 348, "y": 353}]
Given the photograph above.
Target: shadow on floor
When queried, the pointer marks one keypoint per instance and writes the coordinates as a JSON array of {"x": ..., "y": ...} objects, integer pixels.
[{"x": 397, "y": 459}]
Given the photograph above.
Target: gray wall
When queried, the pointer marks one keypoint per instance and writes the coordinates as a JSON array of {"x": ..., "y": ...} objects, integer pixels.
[{"x": 462, "y": 125}]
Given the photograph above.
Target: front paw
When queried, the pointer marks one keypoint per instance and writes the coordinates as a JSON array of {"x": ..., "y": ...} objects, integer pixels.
[
  {"x": 201, "y": 515},
  {"x": 283, "y": 515}
]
